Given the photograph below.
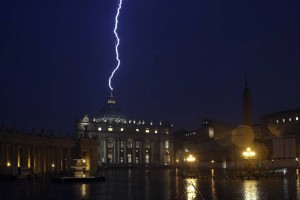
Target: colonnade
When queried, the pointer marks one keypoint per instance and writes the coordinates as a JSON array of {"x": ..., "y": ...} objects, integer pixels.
[
  {"x": 38, "y": 158},
  {"x": 41, "y": 154}
]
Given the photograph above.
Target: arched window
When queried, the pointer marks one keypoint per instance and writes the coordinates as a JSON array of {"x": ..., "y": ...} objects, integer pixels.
[
  {"x": 110, "y": 143},
  {"x": 147, "y": 144},
  {"x": 129, "y": 143},
  {"x": 166, "y": 144}
]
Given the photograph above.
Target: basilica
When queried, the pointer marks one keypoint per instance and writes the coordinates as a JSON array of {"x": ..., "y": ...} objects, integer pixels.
[{"x": 127, "y": 142}]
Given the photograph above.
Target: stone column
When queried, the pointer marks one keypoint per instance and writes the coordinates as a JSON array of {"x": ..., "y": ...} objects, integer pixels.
[
  {"x": 14, "y": 155},
  {"x": 118, "y": 152},
  {"x": 69, "y": 159},
  {"x": 37, "y": 164},
  {"x": 32, "y": 158},
  {"x": 3, "y": 153},
  {"x": 133, "y": 161},
  {"x": 125, "y": 151},
  {"x": 104, "y": 150},
  {"x": 39, "y": 160},
  {"x": 42, "y": 159},
  {"x": 24, "y": 157},
  {"x": 61, "y": 159},
  {"x": 115, "y": 152},
  {"x": 143, "y": 156},
  {"x": 141, "y": 152}
]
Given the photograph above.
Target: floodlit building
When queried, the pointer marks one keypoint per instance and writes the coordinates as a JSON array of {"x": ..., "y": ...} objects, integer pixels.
[{"x": 124, "y": 142}]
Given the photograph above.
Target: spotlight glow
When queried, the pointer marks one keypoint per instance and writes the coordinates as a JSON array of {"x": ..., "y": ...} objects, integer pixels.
[{"x": 116, "y": 45}]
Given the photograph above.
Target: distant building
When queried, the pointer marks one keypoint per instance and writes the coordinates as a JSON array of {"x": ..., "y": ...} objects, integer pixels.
[
  {"x": 124, "y": 142},
  {"x": 276, "y": 140},
  {"x": 210, "y": 143},
  {"x": 281, "y": 130},
  {"x": 281, "y": 124}
]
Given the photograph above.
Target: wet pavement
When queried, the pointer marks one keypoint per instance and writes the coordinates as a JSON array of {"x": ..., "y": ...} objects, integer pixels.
[{"x": 153, "y": 184}]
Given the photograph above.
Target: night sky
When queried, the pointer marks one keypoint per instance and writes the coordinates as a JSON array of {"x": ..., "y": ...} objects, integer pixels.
[{"x": 182, "y": 61}]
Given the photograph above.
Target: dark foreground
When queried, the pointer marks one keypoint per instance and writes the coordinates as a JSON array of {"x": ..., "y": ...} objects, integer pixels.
[{"x": 152, "y": 184}]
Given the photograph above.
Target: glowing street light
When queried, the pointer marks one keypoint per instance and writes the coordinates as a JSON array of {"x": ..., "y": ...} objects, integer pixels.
[
  {"x": 249, "y": 154},
  {"x": 191, "y": 158}
]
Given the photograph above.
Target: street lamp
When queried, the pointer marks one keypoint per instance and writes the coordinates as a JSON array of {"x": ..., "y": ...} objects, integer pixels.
[
  {"x": 191, "y": 158},
  {"x": 52, "y": 166},
  {"x": 249, "y": 154}
]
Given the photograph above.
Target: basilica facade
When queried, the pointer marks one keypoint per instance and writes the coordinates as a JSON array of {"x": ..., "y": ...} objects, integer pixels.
[{"x": 127, "y": 142}]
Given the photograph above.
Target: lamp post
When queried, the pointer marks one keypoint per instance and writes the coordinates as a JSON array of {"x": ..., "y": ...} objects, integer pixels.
[
  {"x": 52, "y": 167},
  {"x": 249, "y": 154},
  {"x": 190, "y": 159}
]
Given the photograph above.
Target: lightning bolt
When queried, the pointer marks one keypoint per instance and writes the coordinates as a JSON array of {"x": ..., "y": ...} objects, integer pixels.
[{"x": 116, "y": 45}]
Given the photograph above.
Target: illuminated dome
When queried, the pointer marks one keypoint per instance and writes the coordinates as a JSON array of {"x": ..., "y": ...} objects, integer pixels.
[{"x": 110, "y": 112}]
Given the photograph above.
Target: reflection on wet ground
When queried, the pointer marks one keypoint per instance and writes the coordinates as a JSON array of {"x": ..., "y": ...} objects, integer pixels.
[{"x": 153, "y": 184}]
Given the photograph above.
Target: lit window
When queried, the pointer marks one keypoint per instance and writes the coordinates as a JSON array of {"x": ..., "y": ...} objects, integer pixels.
[
  {"x": 110, "y": 129},
  {"x": 167, "y": 131},
  {"x": 277, "y": 121},
  {"x": 283, "y": 120},
  {"x": 166, "y": 144},
  {"x": 147, "y": 144},
  {"x": 129, "y": 158},
  {"x": 290, "y": 119},
  {"x": 137, "y": 130},
  {"x": 122, "y": 129},
  {"x": 147, "y": 158},
  {"x": 211, "y": 132},
  {"x": 155, "y": 131},
  {"x": 122, "y": 144},
  {"x": 109, "y": 158},
  {"x": 137, "y": 144},
  {"x": 99, "y": 129},
  {"x": 147, "y": 131},
  {"x": 297, "y": 118}
]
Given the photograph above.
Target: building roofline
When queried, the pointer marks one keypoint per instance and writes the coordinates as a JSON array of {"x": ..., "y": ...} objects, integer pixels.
[{"x": 293, "y": 111}]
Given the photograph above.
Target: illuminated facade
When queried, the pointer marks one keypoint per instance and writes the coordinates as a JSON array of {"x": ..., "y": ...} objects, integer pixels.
[{"x": 123, "y": 142}]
